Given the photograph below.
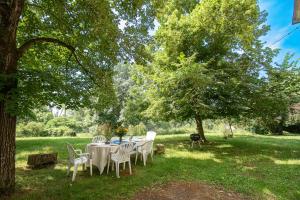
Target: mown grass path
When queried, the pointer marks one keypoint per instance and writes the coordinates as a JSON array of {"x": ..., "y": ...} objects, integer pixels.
[{"x": 260, "y": 167}]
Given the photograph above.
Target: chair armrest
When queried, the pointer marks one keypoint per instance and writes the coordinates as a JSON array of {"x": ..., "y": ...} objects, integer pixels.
[
  {"x": 78, "y": 151},
  {"x": 84, "y": 155}
]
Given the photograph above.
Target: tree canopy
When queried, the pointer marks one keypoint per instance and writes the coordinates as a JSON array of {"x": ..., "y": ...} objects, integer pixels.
[{"x": 207, "y": 59}]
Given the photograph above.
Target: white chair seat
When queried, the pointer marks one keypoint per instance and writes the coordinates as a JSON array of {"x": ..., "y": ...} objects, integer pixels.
[{"x": 80, "y": 161}]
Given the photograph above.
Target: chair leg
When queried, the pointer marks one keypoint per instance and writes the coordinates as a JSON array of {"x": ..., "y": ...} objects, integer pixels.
[
  {"x": 136, "y": 156},
  {"x": 68, "y": 168},
  {"x": 117, "y": 170},
  {"x": 91, "y": 167},
  {"x": 129, "y": 164},
  {"x": 74, "y": 172},
  {"x": 144, "y": 158},
  {"x": 108, "y": 163},
  {"x": 124, "y": 165}
]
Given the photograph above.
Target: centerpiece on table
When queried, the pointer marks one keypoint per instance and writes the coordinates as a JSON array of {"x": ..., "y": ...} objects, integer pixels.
[
  {"x": 105, "y": 130},
  {"x": 120, "y": 132}
]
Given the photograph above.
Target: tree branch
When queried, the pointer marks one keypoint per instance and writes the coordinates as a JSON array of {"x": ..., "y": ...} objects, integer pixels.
[{"x": 28, "y": 44}]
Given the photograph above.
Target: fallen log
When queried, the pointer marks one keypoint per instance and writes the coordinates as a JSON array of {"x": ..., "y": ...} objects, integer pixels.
[{"x": 37, "y": 161}]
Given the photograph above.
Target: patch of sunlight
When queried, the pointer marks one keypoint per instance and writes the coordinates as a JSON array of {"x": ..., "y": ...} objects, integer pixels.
[
  {"x": 192, "y": 155},
  {"x": 287, "y": 162},
  {"x": 238, "y": 161},
  {"x": 248, "y": 168},
  {"x": 224, "y": 146},
  {"x": 24, "y": 154},
  {"x": 286, "y": 137},
  {"x": 181, "y": 145},
  {"x": 49, "y": 178},
  {"x": 284, "y": 162},
  {"x": 268, "y": 195}
]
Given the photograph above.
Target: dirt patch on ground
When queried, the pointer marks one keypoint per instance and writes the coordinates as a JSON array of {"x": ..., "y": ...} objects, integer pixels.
[{"x": 187, "y": 191}]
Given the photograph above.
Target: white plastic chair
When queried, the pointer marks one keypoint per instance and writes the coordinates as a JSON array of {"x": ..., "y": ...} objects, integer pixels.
[
  {"x": 76, "y": 157},
  {"x": 98, "y": 139},
  {"x": 121, "y": 156},
  {"x": 144, "y": 150},
  {"x": 150, "y": 135}
]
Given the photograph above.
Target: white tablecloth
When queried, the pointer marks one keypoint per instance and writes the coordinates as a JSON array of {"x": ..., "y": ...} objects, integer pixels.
[{"x": 99, "y": 153}]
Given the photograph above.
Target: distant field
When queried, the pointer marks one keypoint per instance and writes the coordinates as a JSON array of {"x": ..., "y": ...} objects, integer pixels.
[{"x": 259, "y": 167}]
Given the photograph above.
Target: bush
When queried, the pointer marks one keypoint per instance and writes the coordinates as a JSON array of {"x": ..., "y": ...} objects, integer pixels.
[
  {"x": 61, "y": 131},
  {"x": 31, "y": 129},
  {"x": 259, "y": 129},
  {"x": 64, "y": 122},
  {"x": 93, "y": 130},
  {"x": 63, "y": 126}
]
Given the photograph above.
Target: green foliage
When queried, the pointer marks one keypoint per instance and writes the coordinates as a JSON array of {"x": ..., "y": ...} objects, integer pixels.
[
  {"x": 63, "y": 121},
  {"x": 62, "y": 126},
  {"x": 207, "y": 60},
  {"x": 276, "y": 94},
  {"x": 61, "y": 131},
  {"x": 100, "y": 33},
  {"x": 34, "y": 129},
  {"x": 139, "y": 129}
]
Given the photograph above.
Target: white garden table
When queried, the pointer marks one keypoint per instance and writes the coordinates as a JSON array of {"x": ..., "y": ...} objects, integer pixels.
[{"x": 101, "y": 151}]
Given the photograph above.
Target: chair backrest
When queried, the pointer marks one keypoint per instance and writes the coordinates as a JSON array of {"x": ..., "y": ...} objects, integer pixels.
[
  {"x": 147, "y": 146},
  {"x": 150, "y": 135},
  {"x": 126, "y": 147},
  {"x": 71, "y": 152},
  {"x": 98, "y": 139},
  {"x": 123, "y": 153}
]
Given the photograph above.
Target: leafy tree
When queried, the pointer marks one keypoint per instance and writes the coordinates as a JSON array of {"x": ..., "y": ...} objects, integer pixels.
[
  {"x": 129, "y": 100},
  {"x": 61, "y": 52},
  {"x": 278, "y": 91},
  {"x": 206, "y": 60}
]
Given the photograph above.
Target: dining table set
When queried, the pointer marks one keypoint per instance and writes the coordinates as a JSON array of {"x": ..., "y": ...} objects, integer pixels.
[{"x": 100, "y": 150}]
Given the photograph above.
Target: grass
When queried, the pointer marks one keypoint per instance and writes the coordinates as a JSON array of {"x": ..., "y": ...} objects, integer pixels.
[{"x": 260, "y": 167}]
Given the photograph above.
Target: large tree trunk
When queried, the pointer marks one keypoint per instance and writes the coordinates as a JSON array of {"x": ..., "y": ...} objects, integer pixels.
[
  {"x": 7, "y": 151},
  {"x": 10, "y": 12},
  {"x": 200, "y": 128}
]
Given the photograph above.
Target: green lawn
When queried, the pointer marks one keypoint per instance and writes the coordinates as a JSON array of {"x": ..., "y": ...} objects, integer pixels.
[{"x": 261, "y": 167}]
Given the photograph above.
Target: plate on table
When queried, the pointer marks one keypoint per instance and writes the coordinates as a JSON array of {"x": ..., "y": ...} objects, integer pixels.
[
  {"x": 116, "y": 142},
  {"x": 96, "y": 144}
]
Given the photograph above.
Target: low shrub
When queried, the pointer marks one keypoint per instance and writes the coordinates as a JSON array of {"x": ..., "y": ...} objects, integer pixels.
[
  {"x": 33, "y": 129},
  {"x": 64, "y": 122},
  {"x": 61, "y": 131}
]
